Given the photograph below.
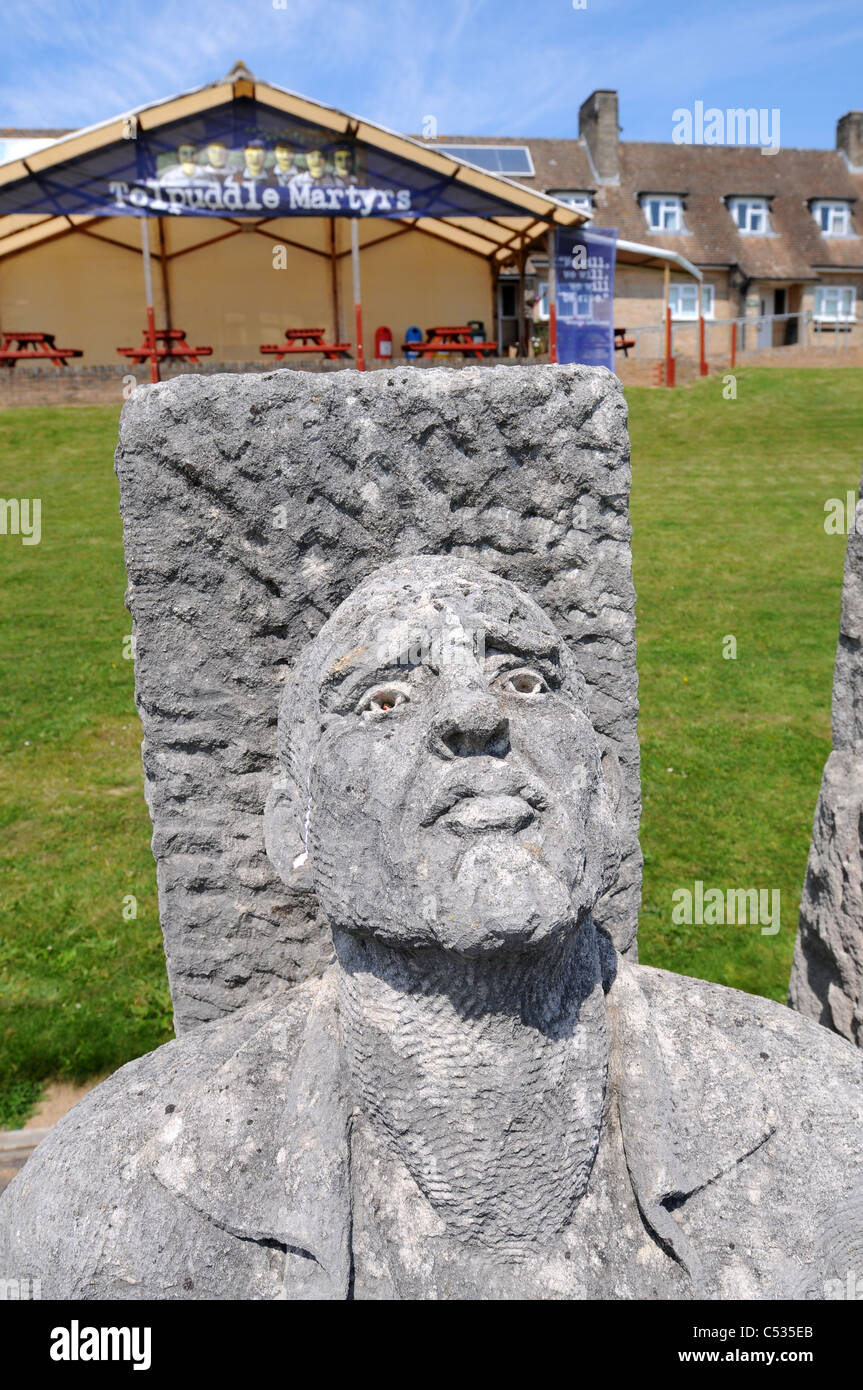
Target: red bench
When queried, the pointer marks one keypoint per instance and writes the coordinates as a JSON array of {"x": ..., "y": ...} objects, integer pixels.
[
  {"x": 305, "y": 341},
  {"x": 621, "y": 342},
  {"x": 446, "y": 338},
  {"x": 34, "y": 347},
  {"x": 174, "y": 345}
]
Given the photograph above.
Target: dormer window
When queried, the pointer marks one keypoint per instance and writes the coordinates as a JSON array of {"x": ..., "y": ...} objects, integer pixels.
[
  {"x": 573, "y": 197},
  {"x": 664, "y": 211},
  {"x": 834, "y": 219},
  {"x": 751, "y": 215}
]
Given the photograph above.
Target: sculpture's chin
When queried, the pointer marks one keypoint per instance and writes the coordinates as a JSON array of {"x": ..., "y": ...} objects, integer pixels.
[
  {"x": 498, "y": 897},
  {"x": 502, "y": 897}
]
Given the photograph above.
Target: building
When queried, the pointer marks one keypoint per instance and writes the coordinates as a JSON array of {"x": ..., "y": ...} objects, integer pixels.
[
  {"x": 729, "y": 232},
  {"x": 263, "y": 212},
  {"x": 774, "y": 233}
]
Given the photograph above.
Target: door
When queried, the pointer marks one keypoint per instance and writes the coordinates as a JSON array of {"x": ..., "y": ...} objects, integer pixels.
[
  {"x": 507, "y": 313},
  {"x": 764, "y": 332}
]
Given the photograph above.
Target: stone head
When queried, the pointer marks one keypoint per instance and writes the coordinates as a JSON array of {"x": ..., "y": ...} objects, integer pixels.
[{"x": 442, "y": 783}]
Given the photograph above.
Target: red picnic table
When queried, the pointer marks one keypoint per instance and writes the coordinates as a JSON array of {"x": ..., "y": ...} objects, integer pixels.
[
  {"x": 447, "y": 338},
  {"x": 304, "y": 341},
  {"x": 34, "y": 347},
  {"x": 621, "y": 342},
  {"x": 174, "y": 345}
]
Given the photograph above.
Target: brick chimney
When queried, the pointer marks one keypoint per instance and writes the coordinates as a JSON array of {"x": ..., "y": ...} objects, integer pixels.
[
  {"x": 597, "y": 122},
  {"x": 849, "y": 138}
]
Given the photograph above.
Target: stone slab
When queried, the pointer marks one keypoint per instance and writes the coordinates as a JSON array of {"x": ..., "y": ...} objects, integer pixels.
[{"x": 252, "y": 505}]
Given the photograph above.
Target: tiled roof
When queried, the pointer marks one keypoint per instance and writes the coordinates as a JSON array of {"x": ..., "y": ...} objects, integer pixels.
[
  {"x": 707, "y": 175},
  {"x": 19, "y": 133}
]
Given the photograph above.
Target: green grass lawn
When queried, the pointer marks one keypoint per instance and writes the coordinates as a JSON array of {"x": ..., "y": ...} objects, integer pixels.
[{"x": 728, "y": 510}]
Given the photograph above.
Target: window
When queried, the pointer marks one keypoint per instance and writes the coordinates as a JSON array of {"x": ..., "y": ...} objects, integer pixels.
[
  {"x": 834, "y": 219},
  {"x": 664, "y": 212},
  {"x": 498, "y": 159},
  {"x": 683, "y": 299},
  {"x": 835, "y": 303},
  {"x": 751, "y": 215},
  {"x": 574, "y": 199}
]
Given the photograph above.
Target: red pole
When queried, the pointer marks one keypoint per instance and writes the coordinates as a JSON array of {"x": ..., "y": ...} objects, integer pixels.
[
  {"x": 358, "y": 307},
  {"x": 702, "y": 358},
  {"x": 552, "y": 332},
  {"x": 733, "y": 344},
  {"x": 151, "y": 339},
  {"x": 669, "y": 356},
  {"x": 361, "y": 359}
]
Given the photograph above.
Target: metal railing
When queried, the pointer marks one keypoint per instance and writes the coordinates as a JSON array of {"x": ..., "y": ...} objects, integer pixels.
[{"x": 744, "y": 334}]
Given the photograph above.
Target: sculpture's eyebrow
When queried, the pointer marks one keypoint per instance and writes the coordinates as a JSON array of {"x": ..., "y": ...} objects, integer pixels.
[{"x": 528, "y": 642}]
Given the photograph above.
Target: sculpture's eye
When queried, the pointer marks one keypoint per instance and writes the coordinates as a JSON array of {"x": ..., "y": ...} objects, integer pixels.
[
  {"x": 382, "y": 699},
  {"x": 522, "y": 682}
]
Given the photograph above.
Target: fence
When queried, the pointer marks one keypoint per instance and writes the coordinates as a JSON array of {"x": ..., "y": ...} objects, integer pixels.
[{"x": 728, "y": 339}]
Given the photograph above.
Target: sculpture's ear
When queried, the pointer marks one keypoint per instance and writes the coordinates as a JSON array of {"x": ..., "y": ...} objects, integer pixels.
[
  {"x": 612, "y": 775},
  {"x": 283, "y": 823}
]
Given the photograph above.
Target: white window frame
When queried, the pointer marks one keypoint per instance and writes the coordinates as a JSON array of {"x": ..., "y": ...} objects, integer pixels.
[
  {"x": 688, "y": 312},
  {"x": 823, "y": 313},
  {"x": 744, "y": 212},
  {"x": 668, "y": 210},
  {"x": 836, "y": 214},
  {"x": 573, "y": 198}
]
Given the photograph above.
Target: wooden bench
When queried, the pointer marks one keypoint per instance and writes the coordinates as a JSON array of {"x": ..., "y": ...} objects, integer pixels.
[
  {"x": 449, "y": 338},
  {"x": 621, "y": 342},
  {"x": 304, "y": 341},
  {"x": 41, "y": 348},
  {"x": 174, "y": 344}
]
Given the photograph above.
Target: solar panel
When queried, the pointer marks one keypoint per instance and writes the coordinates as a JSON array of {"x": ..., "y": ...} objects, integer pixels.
[{"x": 497, "y": 159}]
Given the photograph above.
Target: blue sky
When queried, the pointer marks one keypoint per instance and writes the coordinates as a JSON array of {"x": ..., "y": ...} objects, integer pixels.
[{"x": 479, "y": 67}]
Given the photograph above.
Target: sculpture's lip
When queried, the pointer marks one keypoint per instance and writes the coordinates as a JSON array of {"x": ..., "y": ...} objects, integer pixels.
[
  {"x": 472, "y": 815},
  {"x": 490, "y": 782}
]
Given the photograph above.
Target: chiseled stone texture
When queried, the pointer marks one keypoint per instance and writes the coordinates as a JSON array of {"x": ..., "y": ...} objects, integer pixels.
[
  {"x": 252, "y": 505},
  {"x": 479, "y": 1099},
  {"x": 827, "y": 974}
]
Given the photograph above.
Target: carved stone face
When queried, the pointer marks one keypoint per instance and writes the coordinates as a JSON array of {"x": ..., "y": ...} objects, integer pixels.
[{"x": 443, "y": 771}]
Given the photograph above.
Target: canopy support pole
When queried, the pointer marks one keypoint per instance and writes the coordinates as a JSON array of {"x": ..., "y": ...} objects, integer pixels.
[
  {"x": 163, "y": 261},
  {"x": 148, "y": 291},
  {"x": 334, "y": 282},
  {"x": 358, "y": 307},
  {"x": 552, "y": 295},
  {"x": 522, "y": 309}
]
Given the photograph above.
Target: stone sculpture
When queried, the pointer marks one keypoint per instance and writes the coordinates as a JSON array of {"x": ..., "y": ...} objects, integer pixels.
[
  {"x": 827, "y": 974},
  {"x": 480, "y": 1098},
  {"x": 252, "y": 506}
]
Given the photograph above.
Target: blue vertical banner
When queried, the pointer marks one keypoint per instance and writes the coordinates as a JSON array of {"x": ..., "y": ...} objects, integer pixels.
[{"x": 584, "y": 263}]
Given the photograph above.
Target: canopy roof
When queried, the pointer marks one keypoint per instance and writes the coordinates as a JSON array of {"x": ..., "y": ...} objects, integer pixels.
[{"x": 131, "y": 165}]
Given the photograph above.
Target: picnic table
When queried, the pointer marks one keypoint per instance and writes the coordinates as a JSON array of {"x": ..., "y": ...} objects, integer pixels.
[
  {"x": 621, "y": 342},
  {"x": 173, "y": 344},
  {"x": 305, "y": 341},
  {"x": 34, "y": 347},
  {"x": 449, "y": 338}
]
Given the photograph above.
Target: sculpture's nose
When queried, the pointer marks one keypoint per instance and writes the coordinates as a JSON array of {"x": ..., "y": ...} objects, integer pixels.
[{"x": 468, "y": 721}]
